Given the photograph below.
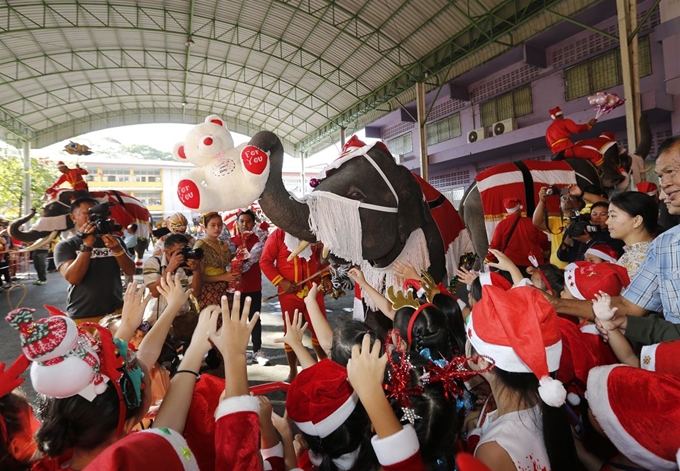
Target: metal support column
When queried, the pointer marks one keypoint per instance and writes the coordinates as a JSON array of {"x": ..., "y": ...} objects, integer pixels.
[
  {"x": 27, "y": 177},
  {"x": 303, "y": 154},
  {"x": 422, "y": 119},
  {"x": 627, "y": 16},
  {"x": 343, "y": 138}
]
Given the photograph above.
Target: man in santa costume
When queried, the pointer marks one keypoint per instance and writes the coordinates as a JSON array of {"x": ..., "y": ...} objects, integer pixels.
[
  {"x": 517, "y": 237},
  {"x": 293, "y": 276},
  {"x": 74, "y": 177},
  {"x": 558, "y": 137}
]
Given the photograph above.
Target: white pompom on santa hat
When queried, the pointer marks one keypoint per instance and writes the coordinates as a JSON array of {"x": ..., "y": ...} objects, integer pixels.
[
  {"x": 519, "y": 330},
  {"x": 638, "y": 411}
]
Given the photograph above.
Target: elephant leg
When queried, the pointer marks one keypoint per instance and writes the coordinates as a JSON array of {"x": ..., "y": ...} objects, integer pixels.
[
  {"x": 474, "y": 221},
  {"x": 291, "y": 357}
]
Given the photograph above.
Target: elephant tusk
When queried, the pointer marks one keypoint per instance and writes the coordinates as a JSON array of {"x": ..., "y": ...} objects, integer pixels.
[
  {"x": 301, "y": 246},
  {"x": 40, "y": 243},
  {"x": 325, "y": 252}
]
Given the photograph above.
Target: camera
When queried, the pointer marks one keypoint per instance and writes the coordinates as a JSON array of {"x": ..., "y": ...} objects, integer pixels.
[
  {"x": 99, "y": 216},
  {"x": 190, "y": 254},
  {"x": 552, "y": 191},
  {"x": 579, "y": 225}
]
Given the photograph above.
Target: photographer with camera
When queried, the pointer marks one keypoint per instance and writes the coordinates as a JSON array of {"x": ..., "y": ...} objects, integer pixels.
[
  {"x": 554, "y": 226},
  {"x": 578, "y": 238},
  {"x": 177, "y": 258},
  {"x": 91, "y": 262}
]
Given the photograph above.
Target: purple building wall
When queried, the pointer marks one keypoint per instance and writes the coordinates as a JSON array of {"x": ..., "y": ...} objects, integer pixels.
[{"x": 454, "y": 163}]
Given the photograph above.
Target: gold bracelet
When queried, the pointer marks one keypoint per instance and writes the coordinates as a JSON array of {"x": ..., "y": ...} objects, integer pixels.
[{"x": 119, "y": 254}]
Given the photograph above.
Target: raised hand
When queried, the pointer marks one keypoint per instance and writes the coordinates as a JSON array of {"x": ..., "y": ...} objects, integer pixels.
[
  {"x": 406, "y": 271},
  {"x": 602, "y": 307},
  {"x": 232, "y": 339},
  {"x": 466, "y": 276},
  {"x": 356, "y": 275},
  {"x": 207, "y": 322},
  {"x": 134, "y": 304},
  {"x": 366, "y": 368},
  {"x": 313, "y": 291},
  {"x": 294, "y": 330},
  {"x": 172, "y": 290},
  {"x": 503, "y": 263}
]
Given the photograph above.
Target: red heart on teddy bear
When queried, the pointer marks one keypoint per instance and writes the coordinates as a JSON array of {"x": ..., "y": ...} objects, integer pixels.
[{"x": 254, "y": 159}]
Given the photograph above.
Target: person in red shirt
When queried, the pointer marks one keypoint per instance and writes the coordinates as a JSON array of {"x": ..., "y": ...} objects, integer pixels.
[
  {"x": 558, "y": 137},
  {"x": 252, "y": 238},
  {"x": 520, "y": 242},
  {"x": 74, "y": 177},
  {"x": 288, "y": 277}
]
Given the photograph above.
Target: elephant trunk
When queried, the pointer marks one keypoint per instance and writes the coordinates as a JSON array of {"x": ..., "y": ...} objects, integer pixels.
[
  {"x": 284, "y": 209},
  {"x": 645, "y": 143},
  {"x": 25, "y": 236}
]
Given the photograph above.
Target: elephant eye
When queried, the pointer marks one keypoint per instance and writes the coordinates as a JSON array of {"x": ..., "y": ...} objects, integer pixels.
[{"x": 355, "y": 194}]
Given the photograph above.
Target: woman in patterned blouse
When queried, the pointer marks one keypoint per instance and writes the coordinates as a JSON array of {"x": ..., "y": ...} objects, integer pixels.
[
  {"x": 633, "y": 218},
  {"x": 217, "y": 256}
]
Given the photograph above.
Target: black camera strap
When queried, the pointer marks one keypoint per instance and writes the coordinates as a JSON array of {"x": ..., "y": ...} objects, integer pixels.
[{"x": 512, "y": 231}]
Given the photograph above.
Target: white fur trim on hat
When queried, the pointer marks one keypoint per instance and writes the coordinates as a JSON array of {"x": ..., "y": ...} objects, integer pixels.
[
  {"x": 331, "y": 423},
  {"x": 598, "y": 253},
  {"x": 232, "y": 405},
  {"x": 648, "y": 357},
  {"x": 572, "y": 286},
  {"x": 275, "y": 451},
  {"x": 514, "y": 210},
  {"x": 506, "y": 359},
  {"x": 598, "y": 397},
  {"x": 397, "y": 447}
]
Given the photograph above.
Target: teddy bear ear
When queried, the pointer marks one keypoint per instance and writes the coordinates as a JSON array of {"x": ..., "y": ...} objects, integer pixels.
[
  {"x": 179, "y": 153},
  {"x": 215, "y": 120}
]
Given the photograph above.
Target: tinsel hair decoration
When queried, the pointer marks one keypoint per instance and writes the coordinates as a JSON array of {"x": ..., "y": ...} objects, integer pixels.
[
  {"x": 399, "y": 376},
  {"x": 449, "y": 373}
]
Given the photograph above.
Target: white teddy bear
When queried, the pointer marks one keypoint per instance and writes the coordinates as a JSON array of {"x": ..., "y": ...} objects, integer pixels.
[{"x": 226, "y": 178}]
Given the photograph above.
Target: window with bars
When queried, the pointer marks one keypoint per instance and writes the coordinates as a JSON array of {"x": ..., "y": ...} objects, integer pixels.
[
  {"x": 147, "y": 175},
  {"x": 150, "y": 198},
  {"x": 400, "y": 145},
  {"x": 512, "y": 104},
  {"x": 443, "y": 130},
  {"x": 115, "y": 175},
  {"x": 603, "y": 71}
]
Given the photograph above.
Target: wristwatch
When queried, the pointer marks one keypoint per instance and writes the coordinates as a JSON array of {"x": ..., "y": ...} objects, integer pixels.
[{"x": 85, "y": 248}]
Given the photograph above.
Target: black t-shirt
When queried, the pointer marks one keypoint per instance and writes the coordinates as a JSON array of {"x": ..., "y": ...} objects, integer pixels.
[{"x": 101, "y": 291}]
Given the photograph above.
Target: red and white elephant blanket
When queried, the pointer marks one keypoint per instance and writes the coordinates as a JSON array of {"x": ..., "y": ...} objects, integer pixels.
[{"x": 507, "y": 180}]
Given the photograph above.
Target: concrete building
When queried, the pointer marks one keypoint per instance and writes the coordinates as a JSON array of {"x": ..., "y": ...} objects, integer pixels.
[{"x": 560, "y": 67}]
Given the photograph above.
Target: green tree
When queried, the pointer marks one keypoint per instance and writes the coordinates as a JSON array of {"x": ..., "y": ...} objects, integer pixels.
[
  {"x": 42, "y": 172},
  {"x": 147, "y": 152}
]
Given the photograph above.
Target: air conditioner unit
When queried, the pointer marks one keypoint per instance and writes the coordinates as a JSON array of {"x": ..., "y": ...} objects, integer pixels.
[
  {"x": 504, "y": 127},
  {"x": 476, "y": 135}
]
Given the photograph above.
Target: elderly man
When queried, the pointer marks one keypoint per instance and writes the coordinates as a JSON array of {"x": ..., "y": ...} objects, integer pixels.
[{"x": 656, "y": 287}]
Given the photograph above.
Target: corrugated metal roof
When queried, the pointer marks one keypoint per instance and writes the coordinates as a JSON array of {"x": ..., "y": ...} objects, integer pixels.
[{"x": 300, "y": 68}]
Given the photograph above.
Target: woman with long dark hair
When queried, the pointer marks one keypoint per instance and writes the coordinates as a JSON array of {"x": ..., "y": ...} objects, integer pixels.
[{"x": 633, "y": 218}]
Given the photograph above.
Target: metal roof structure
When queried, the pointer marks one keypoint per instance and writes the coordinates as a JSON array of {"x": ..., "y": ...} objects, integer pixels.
[{"x": 299, "y": 68}]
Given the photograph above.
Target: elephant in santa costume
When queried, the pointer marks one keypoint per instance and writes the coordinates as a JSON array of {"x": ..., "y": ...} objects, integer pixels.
[{"x": 365, "y": 208}]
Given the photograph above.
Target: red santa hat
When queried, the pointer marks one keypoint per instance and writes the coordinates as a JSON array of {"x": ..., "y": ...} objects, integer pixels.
[
  {"x": 555, "y": 112},
  {"x": 603, "y": 251},
  {"x": 512, "y": 205},
  {"x": 647, "y": 187},
  {"x": 519, "y": 330},
  {"x": 638, "y": 412},
  {"x": 586, "y": 279},
  {"x": 491, "y": 278},
  {"x": 158, "y": 448},
  {"x": 320, "y": 399},
  {"x": 608, "y": 135},
  {"x": 61, "y": 164},
  {"x": 661, "y": 357}
]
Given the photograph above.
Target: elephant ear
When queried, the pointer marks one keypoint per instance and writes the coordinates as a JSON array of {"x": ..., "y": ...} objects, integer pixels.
[{"x": 413, "y": 212}]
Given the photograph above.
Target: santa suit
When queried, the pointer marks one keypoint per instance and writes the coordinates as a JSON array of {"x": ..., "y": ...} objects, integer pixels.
[
  {"x": 524, "y": 240},
  {"x": 558, "y": 137},
  {"x": 276, "y": 267},
  {"x": 74, "y": 177}
]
